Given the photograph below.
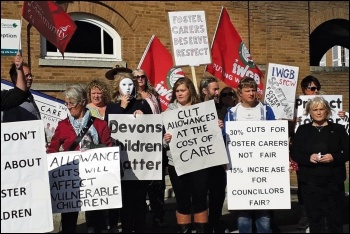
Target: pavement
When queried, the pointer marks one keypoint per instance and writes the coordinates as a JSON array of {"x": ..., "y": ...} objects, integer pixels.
[{"x": 285, "y": 220}]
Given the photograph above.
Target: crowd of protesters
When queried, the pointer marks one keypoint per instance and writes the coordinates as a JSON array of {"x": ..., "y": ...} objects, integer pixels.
[{"x": 320, "y": 148}]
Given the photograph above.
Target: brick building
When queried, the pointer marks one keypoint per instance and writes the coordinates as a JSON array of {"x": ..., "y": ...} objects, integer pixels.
[{"x": 291, "y": 33}]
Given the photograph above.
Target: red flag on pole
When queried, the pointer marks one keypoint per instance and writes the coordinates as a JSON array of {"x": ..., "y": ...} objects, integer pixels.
[
  {"x": 157, "y": 62},
  {"x": 51, "y": 21},
  {"x": 231, "y": 60}
]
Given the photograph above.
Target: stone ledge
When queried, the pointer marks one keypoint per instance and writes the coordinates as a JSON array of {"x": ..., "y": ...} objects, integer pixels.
[{"x": 80, "y": 63}]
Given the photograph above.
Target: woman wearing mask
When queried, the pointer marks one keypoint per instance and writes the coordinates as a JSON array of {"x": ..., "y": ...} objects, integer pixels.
[
  {"x": 190, "y": 189},
  {"x": 66, "y": 133},
  {"x": 128, "y": 101}
]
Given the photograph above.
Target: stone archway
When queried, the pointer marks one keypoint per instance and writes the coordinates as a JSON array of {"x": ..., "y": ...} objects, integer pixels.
[{"x": 325, "y": 36}]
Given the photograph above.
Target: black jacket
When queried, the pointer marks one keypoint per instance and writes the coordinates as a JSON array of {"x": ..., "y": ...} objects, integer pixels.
[{"x": 332, "y": 139}]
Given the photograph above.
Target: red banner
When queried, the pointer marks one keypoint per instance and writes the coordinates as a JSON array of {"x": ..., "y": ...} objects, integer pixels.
[
  {"x": 231, "y": 58},
  {"x": 51, "y": 21},
  {"x": 158, "y": 65}
]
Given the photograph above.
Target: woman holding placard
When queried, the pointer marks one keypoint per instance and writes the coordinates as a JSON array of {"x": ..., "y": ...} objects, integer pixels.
[{"x": 190, "y": 189}]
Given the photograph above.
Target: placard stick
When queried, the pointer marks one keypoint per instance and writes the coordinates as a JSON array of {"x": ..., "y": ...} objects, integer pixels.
[{"x": 194, "y": 78}]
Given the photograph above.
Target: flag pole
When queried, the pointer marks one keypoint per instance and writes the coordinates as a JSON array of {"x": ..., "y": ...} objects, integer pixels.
[
  {"x": 212, "y": 42},
  {"x": 194, "y": 78},
  {"x": 20, "y": 35},
  {"x": 144, "y": 53}
]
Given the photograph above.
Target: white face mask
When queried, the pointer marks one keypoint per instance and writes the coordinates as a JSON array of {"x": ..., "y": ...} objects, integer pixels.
[{"x": 126, "y": 86}]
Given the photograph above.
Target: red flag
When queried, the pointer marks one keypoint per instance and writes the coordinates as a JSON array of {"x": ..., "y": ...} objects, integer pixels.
[
  {"x": 231, "y": 60},
  {"x": 157, "y": 62},
  {"x": 51, "y": 21}
]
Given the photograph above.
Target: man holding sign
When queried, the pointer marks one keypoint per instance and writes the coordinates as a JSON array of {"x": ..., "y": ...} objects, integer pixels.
[{"x": 249, "y": 109}]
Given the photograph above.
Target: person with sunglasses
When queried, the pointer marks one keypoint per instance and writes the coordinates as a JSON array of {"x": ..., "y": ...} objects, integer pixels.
[
  {"x": 28, "y": 110},
  {"x": 227, "y": 98},
  {"x": 156, "y": 189}
]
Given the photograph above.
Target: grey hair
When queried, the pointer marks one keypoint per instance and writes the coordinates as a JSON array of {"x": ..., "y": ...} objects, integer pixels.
[
  {"x": 316, "y": 102},
  {"x": 76, "y": 93}
]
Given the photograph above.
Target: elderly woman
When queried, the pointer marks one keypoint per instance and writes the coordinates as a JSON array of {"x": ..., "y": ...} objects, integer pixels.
[
  {"x": 128, "y": 101},
  {"x": 321, "y": 149},
  {"x": 66, "y": 134}
]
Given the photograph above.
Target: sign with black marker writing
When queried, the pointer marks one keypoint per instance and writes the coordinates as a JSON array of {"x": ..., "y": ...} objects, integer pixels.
[
  {"x": 335, "y": 102},
  {"x": 81, "y": 181},
  {"x": 140, "y": 142},
  {"x": 197, "y": 140},
  {"x": 189, "y": 36},
  {"x": 281, "y": 84},
  {"x": 258, "y": 176},
  {"x": 25, "y": 192}
]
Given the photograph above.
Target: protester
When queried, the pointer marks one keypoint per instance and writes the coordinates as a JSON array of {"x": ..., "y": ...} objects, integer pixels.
[
  {"x": 156, "y": 189},
  {"x": 310, "y": 85},
  {"x": 134, "y": 192},
  {"x": 98, "y": 96},
  {"x": 190, "y": 189},
  {"x": 209, "y": 90},
  {"x": 250, "y": 109},
  {"x": 66, "y": 134},
  {"x": 16, "y": 96},
  {"x": 28, "y": 110},
  {"x": 227, "y": 98},
  {"x": 321, "y": 149}
]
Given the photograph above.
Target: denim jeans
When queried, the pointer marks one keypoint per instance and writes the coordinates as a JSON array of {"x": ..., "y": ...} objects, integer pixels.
[{"x": 262, "y": 221}]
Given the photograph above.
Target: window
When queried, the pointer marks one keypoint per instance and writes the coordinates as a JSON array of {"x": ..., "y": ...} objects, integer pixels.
[
  {"x": 340, "y": 56},
  {"x": 323, "y": 61},
  {"x": 93, "y": 39},
  {"x": 336, "y": 57}
]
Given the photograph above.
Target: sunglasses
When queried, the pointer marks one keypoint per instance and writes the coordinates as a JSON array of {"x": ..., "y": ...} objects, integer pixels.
[
  {"x": 313, "y": 88},
  {"x": 230, "y": 94},
  {"x": 142, "y": 77}
]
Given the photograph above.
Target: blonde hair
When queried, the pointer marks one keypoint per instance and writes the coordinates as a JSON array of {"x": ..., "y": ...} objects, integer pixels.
[
  {"x": 101, "y": 85},
  {"x": 318, "y": 102},
  {"x": 149, "y": 87}
]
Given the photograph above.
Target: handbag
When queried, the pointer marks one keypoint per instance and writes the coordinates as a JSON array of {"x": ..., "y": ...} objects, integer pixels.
[{"x": 81, "y": 134}]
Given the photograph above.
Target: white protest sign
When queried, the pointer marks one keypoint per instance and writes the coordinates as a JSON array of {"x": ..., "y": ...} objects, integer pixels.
[
  {"x": 81, "y": 181},
  {"x": 335, "y": 102},
  {"x": 140, "y": 141},
  {"x": 189, "y": 36},
  {"x": 52, "y": 110},
  {"x": 280, "y": 89},
  {"x": 197, "y": 140},
  {"x": 25, "y": 191},
  {"x": 345, "y": 122},
  {"x": 258, "y": 176},
  {"x": 10, "y": 37}
]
